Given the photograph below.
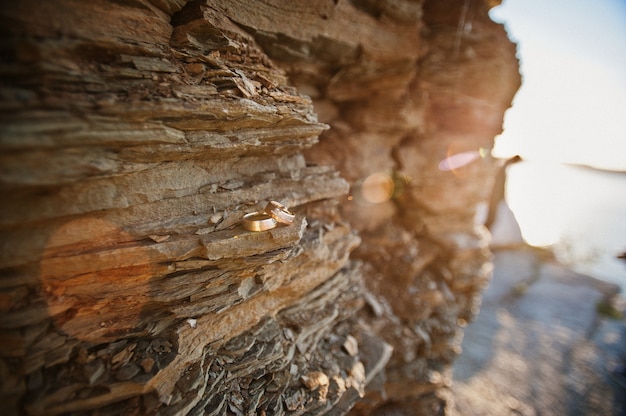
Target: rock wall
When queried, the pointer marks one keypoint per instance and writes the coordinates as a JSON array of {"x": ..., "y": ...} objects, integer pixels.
[{"x": 136, "y": 134}]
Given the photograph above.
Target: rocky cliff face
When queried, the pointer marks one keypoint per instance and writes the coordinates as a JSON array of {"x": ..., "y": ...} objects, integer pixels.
[{"x": 135, "y": 135}]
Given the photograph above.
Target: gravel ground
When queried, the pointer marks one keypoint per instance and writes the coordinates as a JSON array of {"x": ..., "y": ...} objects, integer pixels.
[{"x": 540, "y": 346}]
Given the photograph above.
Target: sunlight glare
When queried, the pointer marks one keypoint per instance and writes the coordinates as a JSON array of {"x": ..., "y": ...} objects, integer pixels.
[
  {"x": 377, "y": 188},
  {"x": 458, "y": 160},
  {"x": 572, "y": 103}
]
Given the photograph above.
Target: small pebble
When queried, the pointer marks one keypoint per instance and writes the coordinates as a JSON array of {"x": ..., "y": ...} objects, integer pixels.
[
  {"x": 147, "y": 364},
  {"x": 351, "y": 346},
  {"x": 315, "y": 379},
  {"x": 127, "y": 372}
]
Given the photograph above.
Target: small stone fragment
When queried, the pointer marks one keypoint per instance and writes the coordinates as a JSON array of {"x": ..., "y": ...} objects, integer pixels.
[
  {"x": 351, "y": 346},
  {"x": 357, "y": 378},
  {"x": 215, "y": 218},
  {"x": 337, "y": 386},
  {"x": 159, "y": 238},
  {"x": 147, "y": 364},
  {"x": 246, "y": 287},
  {"x": 93, "y": 371},
  {"x": 127, "y": 372},
  {"x": 295, "y": 401},
  {"x": 289, "y": 335},
  {"x": 315, "y": 379},
  {"x": 374, "y": 304},
  {"x": 122, "y": 357},
  {"x": 160, "y": 346},
  {"x": 232, "y": 185}
]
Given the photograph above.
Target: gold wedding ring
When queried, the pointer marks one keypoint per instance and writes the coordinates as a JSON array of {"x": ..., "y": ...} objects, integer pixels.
[
  {"x": 280, "y": 212},
  {"x": 258, "y": 221}
]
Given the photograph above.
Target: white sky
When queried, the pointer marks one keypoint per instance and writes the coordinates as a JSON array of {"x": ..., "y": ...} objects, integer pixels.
[{"x": 572, "y": 104}]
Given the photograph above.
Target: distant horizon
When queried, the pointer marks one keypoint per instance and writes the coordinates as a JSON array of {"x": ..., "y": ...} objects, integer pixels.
[{"x": 548, "y": 161}]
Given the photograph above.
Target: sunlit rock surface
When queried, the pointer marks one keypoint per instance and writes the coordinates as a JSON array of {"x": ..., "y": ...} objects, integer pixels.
[{"x": 136, "y": 135}]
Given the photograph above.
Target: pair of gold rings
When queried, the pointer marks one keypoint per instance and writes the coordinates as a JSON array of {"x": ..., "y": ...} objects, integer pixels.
[{"x": 274, "y": 214}]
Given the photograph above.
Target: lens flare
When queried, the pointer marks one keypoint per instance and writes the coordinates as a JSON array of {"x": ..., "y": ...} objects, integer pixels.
[
  {"x": 456, "y": 161},
  {"x": 377, "y": 188}
]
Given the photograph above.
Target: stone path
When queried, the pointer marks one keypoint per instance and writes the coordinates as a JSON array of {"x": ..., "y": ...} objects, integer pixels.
[{"x": 539, "y": 346}]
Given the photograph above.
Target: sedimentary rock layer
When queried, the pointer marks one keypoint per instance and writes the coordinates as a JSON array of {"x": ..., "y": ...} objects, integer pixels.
[{"x": 135, "y": 135}]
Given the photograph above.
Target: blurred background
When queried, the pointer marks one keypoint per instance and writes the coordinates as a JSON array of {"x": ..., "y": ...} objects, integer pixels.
[{"x": 568, "y": 123}]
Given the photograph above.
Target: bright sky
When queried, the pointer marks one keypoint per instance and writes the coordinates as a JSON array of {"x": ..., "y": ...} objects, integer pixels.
[{"x": 572, "y": 104}]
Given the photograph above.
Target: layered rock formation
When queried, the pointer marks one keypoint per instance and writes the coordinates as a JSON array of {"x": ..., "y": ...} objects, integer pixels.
[{"x": 136, "y": 134}]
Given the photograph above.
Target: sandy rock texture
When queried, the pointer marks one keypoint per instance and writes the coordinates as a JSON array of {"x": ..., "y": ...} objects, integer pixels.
[{"x": 134, "y": 137}]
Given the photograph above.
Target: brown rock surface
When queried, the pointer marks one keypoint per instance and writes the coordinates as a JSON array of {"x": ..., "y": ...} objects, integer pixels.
[{"x": 135, "y": 135}]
